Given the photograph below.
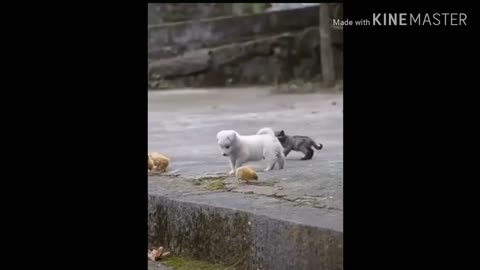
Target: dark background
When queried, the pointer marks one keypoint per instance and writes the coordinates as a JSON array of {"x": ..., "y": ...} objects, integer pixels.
[{"x": 77, "y": 105}]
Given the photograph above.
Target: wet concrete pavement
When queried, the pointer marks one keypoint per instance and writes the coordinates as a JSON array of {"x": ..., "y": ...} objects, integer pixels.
[{"x": 183, "y": 124}]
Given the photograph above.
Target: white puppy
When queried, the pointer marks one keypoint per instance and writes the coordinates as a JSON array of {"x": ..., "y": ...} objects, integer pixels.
[
  {"x": 266, "y": 130},
  {"x": 241, "y": 149}
]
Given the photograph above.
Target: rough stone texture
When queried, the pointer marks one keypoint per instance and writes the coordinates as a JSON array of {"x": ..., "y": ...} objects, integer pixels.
[
  {"x": 220, "y": 31},
  {"x": 158, "y": 266},
  {"x": 254, "y": 231},
  {"x": 283, "y": 6},
  {"x": 184, "y": 65},
  {"x": 226, "y": 57},
  {"x": 285, "y": 245},
  {"x": 198, "y": 231},
  {"x": 251, "y": 62},
  {"x": 177, "y": 12},
  {"x": 242, "y": 49},
  {"x": 296, "y": 211},
  {"x": 183, "y": 124}
]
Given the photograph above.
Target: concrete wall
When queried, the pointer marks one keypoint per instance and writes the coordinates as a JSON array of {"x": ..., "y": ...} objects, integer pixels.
[
  {"x": 249, "y": 241},
  {"x": 177, "y": 12},
  {"x": 252, "y": 62},
  {"x": 193, "y": 35},
  {"x": 238, "y": 50}
]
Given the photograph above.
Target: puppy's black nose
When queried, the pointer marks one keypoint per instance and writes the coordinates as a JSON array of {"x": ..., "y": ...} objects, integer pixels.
[{"x": 224, "y": 154}]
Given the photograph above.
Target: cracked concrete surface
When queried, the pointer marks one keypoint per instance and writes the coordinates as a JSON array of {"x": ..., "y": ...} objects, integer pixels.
[
  {"x": 183, "y": 125},
  {"x": 296, "y": 211}
]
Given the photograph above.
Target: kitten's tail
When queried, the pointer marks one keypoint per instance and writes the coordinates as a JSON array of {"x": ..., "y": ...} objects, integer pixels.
[{"x": 317, "y": 146}]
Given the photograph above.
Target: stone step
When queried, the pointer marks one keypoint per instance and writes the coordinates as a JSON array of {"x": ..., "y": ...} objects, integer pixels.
[
  {"x": 196, "y": 61},
  {"x": 256, "y": 232},
  {"x": 193, "y": 35}
]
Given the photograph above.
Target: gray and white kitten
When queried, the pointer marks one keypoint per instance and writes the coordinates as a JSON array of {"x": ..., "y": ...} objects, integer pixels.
[{"x": 302, "y": 144}]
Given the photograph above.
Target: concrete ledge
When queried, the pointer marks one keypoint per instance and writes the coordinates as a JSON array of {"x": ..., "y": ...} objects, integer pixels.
[
  {"x": 187, "y": 64},
  {"x": 257, "y": 232},
  {"x": 201, "y": 60}
]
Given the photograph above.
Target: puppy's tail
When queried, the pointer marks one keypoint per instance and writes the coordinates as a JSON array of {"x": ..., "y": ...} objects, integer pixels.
[{"x": 266, "y": 130}]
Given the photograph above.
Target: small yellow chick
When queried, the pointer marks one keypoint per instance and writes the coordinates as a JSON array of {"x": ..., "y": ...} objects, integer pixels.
[
  {"x": 246, "y": 173},
  {"x": 151, "y": 164},
  {"x": 160, "y": 161}
]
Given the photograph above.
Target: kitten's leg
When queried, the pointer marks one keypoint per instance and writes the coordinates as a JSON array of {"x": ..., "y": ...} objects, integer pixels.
[
  {"x": 287, "y": 151},
  {"x": 232, "y": 166},
  {"x": 308, "y": 153}
]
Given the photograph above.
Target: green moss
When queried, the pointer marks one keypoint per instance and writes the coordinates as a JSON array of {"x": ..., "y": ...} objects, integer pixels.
[
  {"x": 211, "y": 182},
  {"x": 210, "y": 178},
  {"x": 215, "y": 184},
  {"x": 181, "y": 263},
  {"x": 196, "y": 182}
]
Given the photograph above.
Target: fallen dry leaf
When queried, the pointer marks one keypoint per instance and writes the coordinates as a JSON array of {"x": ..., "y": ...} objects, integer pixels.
[
  {"x": 165, "y": 254},
  {"x": 155, "y": 254},
  {"x": 151, "y": 257}
]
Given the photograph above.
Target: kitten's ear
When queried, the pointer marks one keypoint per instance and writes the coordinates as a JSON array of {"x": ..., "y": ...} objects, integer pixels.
[{"x": 282, "y": 133}]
